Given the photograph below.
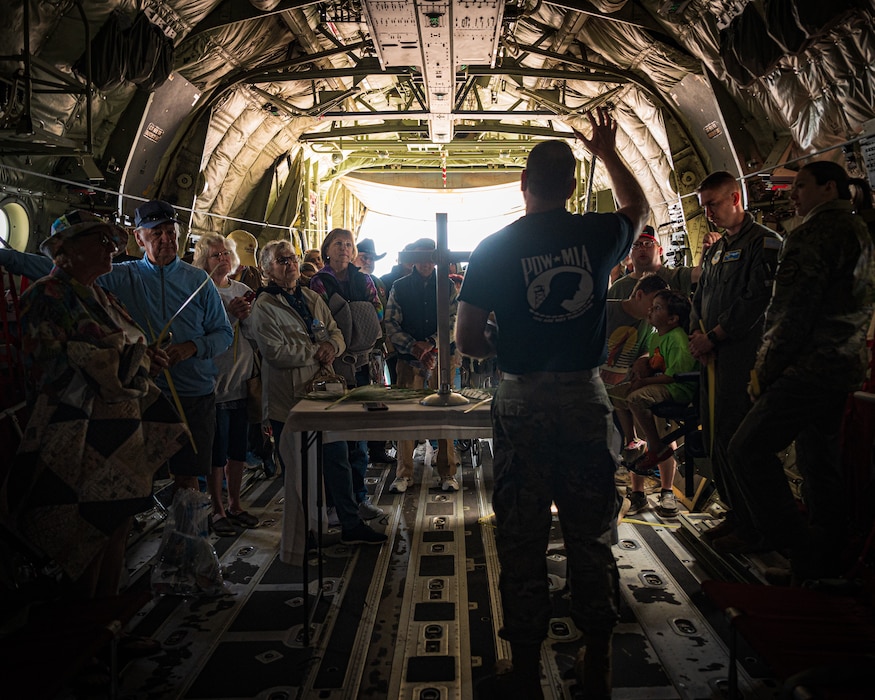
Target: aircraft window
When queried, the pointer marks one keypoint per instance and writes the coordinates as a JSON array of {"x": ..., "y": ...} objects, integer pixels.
[{"x": 14, "y": 225}]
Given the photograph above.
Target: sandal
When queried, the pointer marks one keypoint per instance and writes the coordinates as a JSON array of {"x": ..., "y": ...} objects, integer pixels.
[
  {"x": 222, "y": 527},
  {"x": 243, "y": 518}
]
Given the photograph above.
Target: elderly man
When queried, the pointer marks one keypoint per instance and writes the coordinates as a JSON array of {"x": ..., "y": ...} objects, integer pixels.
[
  {"x": 545, "y": 277},
  {"x": 726, "y": 328},
  {"x": 813, "y": 353},
  {"x": 153, "y": 290},
  {"x": 646, "y": 256},
  {"x": 412, "y": 324}
]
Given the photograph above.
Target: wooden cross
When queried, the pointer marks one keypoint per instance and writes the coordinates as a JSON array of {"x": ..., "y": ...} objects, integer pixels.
[{"x": 441, "y": 256}]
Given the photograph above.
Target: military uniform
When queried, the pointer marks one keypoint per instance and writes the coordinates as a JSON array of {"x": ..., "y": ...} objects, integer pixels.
[
  {"x": 733, "y": 291},
  {"x": 545, "y": 277},
  {"x": 812, "y": 355}
]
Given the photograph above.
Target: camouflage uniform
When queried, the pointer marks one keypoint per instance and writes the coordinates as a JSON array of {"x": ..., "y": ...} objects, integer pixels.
[
  {"x": 734, "y": 290},
  {"x": 551, "y": 431},
  {"x": 812, "y": 355},
  {"x": 545, "y": 277}
]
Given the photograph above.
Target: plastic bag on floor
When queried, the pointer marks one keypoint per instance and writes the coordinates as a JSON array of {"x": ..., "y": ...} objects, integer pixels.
[{"x": 186, "y": 561}]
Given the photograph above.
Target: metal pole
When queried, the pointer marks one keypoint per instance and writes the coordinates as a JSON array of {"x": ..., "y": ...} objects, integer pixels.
[{"x": 445, "y": 396}]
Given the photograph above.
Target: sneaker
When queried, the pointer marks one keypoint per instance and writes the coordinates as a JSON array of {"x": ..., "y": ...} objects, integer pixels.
[
  {"x": 668, "y": 505},
  {"x": 638, "y": 502},
  {"x": 449, "y": 483},
  {"x": 633, "y": 450},
  {"x": 419, "y": 453},
  {"x": 368, "y": 511},
  {"x": 381, "y": 458},
  {"x": 362, "y": 534},
  {"x": 401, "y": 484},
  {"x": 333, "y": 520}
]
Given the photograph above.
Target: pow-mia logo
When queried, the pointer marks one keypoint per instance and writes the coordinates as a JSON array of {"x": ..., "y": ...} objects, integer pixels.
[{"x": 558, "y": 287}]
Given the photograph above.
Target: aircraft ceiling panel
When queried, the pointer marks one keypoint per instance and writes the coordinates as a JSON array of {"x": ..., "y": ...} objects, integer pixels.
[
  {"x": 395, "y": 32},
  {"x": 476, "y": 31}
]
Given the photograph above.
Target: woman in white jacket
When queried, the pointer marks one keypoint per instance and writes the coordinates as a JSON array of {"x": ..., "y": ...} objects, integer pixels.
[
  {"x": 283, "y": 316},
  {"x": 218, "y": 256}
]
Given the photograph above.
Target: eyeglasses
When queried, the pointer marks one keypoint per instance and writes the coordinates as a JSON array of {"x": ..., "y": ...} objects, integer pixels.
[
  {"x": 223, "y": 254},
  {"x": 107, "y": 241},
  {"x": 286, "y": 260},
  {"x": 648, "y": 243}
]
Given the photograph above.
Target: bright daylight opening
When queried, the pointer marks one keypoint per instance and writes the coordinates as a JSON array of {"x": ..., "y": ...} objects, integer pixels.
[{"x": 399, "y": 215}]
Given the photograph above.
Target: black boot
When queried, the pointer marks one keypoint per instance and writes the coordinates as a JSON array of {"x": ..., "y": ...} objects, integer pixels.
[
  {"x": 593, "y": 667},
  {"x": 519, "y": 680}
]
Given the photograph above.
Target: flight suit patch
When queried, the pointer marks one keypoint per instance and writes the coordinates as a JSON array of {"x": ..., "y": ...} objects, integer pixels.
[
  {"x": 771, "y": 244},
  {"x": 716, "y": 258},
  {"x": 732, "y": 255}
]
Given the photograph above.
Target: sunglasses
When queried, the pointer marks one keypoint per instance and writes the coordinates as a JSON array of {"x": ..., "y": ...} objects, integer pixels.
[{"x": 286, "y": 260}]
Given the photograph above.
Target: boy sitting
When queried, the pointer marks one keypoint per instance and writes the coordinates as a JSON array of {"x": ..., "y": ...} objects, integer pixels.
[
  {"x": 628, "y": 331},
  {"x": 652, "y": 382}
]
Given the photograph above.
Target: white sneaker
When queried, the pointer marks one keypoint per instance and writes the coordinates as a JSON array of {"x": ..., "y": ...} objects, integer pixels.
[
  {"x": 449, "y": 483},
  {"x": 401, "y": 484},
  {"x": 668, "y": 505},
  {"x": 333, "y": 520},
  {"x": 368, "y": 511},
  {"x": 419, "y": 452}
]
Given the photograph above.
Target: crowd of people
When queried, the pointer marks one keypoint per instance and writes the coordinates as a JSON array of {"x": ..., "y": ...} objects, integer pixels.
[{"x": 151, "y": 360}]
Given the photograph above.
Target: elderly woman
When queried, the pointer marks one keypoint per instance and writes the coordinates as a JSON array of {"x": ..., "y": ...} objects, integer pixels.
[
  {"x": 88, "y": 455},
  {"x": 218, "y": 256},
  {"x": 340, "y": 277},
  {"x": 293, "y": 352}
]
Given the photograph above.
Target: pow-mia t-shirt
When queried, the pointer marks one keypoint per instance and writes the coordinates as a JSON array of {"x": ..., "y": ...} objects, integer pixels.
[{"x": 545, "y": 276}]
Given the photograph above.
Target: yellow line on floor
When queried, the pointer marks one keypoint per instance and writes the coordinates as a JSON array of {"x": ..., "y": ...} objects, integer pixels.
[{"x": 646, "y": 522}]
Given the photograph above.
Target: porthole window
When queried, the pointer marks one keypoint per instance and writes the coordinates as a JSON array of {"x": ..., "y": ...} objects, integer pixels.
[{"x": 14, "y": 225}]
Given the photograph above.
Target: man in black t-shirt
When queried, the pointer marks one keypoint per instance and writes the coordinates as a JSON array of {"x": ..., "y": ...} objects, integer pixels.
[{"x": 545, "y": 277}]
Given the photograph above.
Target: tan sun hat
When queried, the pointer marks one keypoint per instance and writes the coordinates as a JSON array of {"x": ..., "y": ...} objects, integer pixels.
[{"x": 247, "y": 246}]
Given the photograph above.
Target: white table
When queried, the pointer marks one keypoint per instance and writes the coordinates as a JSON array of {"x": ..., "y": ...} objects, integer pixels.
[
  {"x": 312, "y": 423},
  {"x": 404, "y": 420}
]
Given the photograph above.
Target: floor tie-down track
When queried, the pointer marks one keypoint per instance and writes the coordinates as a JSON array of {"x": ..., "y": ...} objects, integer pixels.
[{"x": 417, "y": 619}]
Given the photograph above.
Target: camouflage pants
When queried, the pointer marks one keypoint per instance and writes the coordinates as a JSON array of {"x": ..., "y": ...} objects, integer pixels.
[{"x": 551, "y": 434}]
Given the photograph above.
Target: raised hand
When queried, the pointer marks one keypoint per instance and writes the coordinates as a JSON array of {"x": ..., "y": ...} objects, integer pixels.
[{"x": 604, "y": 133}]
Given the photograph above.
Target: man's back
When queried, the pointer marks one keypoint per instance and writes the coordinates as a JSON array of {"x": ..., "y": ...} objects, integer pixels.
[{"x": 544, "y": 276}]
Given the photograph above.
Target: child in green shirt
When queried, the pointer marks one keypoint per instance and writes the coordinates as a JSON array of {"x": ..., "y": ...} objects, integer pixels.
[{"x": 652, "y": 382}]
